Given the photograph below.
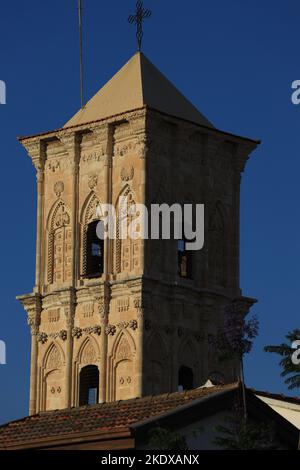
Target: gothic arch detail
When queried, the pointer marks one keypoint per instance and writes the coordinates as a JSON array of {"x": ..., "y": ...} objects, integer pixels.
[
  {"x": 123, "y": 367},
  {"x": 88, "y": 352},
  {"x": 217, "y": 244},
  {"x": 52, "y": 378},
  {"x": 59, "y": 244},
  {"x": 156, "y": 347},
  {"x": 90, "y": 213},
  {"x": 90, "y": 210},
  {"x": 124, "y": 347},
  {"x": 187, "y": 354},
  {"x": 158, "y": 367},
  {"x": 126, "y": 252},
  {"x": 53, "y": 358}
]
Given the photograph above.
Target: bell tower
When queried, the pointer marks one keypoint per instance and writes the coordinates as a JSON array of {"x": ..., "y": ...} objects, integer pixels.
[{"x": 117, "y": 319}]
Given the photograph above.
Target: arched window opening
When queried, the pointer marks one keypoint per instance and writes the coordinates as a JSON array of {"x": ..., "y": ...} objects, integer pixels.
[
  {"x": 94, "y": 251},
  {"x": 89, "y": 386},
  {"x": 185, "y": 378},
  {"x": 185, "y": 266}
]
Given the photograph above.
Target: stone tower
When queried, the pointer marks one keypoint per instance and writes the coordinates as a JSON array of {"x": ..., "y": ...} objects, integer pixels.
[{"x": 123, "y": 318}]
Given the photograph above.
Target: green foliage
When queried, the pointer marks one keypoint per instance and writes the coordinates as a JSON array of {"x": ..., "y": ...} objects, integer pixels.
[
  {"x": 241, "y": 434},
  {"x": 289, "y": 370},
  {"x": 164, "y": 439}
]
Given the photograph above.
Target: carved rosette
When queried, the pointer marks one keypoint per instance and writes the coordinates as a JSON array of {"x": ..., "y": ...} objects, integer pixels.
[
  {"x": 63, "y": 335},
  {"x": 42, "y": 338},
  {"x": 59, "y": 188},
  {"x": 78, "y": 332},
  {"x": 110, "y": 330},
  {"x": 127, "y": 174},
  {"x": 132, "y": 324}
]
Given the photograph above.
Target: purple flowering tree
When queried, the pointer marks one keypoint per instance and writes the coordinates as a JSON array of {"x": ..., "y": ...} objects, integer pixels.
[{"x": 235, "y": 339}]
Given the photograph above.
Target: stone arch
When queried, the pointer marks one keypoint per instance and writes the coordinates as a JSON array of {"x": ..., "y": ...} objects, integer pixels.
[
  {"x": 157, "y": 378},
  {"x": 54, "y": 357},
  {"x": 59, "y": 243},
  {"x": 156, "y": 346},
  {"x": 217, "y": 245},
  {"x": 90, "y": 209},
  {"x": 123, "y": 367},
  {"x": 126, "y": 337},
  {"x": 188, "y": 352},
  {"x": 88, "y": 349},
  {"x": 91, "y": 212},
  {"x": 53, "y": 378},
  {"x": 188, "y": 358},
  {"x": 126, "y": 254},
  {"x": 88, "y": 354}
]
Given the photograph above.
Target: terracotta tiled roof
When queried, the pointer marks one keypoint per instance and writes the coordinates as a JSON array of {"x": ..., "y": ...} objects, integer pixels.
[{"x": 103, "y": 417}]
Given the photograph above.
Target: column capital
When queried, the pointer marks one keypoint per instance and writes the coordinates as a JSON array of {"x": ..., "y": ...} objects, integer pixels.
[
  {"x": 33, "y": 306},
  {"x": 243, "y": 152},
  {"x": 242, "y": 305},
  {"x": 36, "y": 149},
  {"x": 69, "y": 138}
]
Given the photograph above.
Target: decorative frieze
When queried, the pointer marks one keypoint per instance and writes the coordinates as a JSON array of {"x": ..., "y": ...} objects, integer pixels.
[
  {"x": 94, "y": 156},
  {"x": 121, "y": 150},
  {"x": 77, "y": 332},
  {"x": 133, "y": 324},
  {"x": 43, "y": 337}
]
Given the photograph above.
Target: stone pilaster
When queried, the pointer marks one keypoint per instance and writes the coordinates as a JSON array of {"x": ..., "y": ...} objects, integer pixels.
[
  {"x": 37, "y": 151},
  {"x": 33, "y": 306},
  {"x": 103, "y": 306},
  {"x": 140, "y": 307},
  {"x": 69, "y": 306},
  {"x": 71, "y": 141}
]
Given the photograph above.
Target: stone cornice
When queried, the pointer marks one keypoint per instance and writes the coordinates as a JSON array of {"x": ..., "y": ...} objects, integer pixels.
[{"x": 32, "y": 304}]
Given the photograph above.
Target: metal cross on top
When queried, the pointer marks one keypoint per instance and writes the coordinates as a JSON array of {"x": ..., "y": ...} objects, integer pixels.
[{"x": 137, "y": 19}]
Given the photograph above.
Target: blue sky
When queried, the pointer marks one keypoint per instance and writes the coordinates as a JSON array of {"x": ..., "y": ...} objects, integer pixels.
[{"x": 236, "y": 61}]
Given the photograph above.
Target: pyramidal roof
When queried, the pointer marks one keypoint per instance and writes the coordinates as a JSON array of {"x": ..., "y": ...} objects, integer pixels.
[{"x": 137, "y": 84}]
